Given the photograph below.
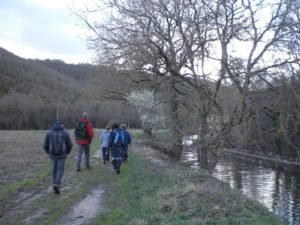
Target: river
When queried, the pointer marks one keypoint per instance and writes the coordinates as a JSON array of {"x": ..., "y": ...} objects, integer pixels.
[{"x": 277, "y": 189}]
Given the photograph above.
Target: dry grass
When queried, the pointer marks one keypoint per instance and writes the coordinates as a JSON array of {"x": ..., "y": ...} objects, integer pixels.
[{"x": 20, "y": 152}]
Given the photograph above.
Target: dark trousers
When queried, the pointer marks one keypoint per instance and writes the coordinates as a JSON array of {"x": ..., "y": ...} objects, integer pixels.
[
  {"x": 117, "y": 163},
  {"x": 125, "y": 153},
  {"x": 105, "y": 154}
]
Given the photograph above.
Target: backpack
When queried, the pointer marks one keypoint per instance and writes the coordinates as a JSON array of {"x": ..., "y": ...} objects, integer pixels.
[
  {"x": 57, "y": 144},
  {"x": 80, "y": 131},
  {"x": 119, "y": 140}
]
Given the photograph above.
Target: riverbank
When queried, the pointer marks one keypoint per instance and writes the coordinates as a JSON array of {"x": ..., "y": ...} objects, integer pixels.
[
  {"x": 149, "y": 190},
  {"x": 153, "y": 190},
  {"x": 276, "y": 162}
]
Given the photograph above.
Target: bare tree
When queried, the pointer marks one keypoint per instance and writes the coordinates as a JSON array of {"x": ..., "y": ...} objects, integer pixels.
[
  {"x": 265, "y": 29},
  {"x": 160, "y": 38},
  {"x": 177, "y": 40}
]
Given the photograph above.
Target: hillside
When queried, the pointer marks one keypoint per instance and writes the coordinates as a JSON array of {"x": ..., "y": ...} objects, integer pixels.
[
  {"x": 31, "y": 90},
  {"x": 26, "y": 77}
]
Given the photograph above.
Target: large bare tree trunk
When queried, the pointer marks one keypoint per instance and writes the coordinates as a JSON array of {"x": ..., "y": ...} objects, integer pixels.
[
  {"x": 176, "y": 128},
  {"x": 202, "y": 145}
]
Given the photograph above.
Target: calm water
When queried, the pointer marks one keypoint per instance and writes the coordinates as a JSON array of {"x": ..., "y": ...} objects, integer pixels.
[{"x": 278, "y": 190}]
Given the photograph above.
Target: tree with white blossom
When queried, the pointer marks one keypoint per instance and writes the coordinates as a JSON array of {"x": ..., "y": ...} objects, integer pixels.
[{"x": 148, "y": 107}]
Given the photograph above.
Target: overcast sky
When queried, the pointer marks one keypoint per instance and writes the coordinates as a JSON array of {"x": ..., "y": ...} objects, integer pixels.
[{"x": 42, "y": 29}]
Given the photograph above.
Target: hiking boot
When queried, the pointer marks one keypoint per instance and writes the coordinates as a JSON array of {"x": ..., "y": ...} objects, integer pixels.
[
  {"x": 78, "y": 169},
  {"x": 56, "y": 189},
  {"x": 104, "y": 162}
]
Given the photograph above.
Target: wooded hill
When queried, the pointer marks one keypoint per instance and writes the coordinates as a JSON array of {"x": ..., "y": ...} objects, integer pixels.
[{"x": 31, "y": 90}]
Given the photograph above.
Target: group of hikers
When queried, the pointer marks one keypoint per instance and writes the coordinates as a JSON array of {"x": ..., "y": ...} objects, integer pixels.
[{"x": 114, "y": 141}]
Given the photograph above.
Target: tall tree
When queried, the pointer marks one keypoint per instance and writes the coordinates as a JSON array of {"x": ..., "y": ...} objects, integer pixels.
[{"x": 179, "y": 40}]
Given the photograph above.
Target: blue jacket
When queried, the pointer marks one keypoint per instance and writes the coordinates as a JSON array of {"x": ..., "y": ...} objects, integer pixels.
[
  {"x": 116, "y": 153},
  {"x": 58, "y": 127},
  {"x": 104, "y": 138},
  {"x": 127, "y": 138}
]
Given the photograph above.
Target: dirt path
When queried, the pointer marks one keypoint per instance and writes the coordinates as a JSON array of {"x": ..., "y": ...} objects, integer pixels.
[
  {"x": 25, "y": 207},
  {"x": 85, "y": 210}
]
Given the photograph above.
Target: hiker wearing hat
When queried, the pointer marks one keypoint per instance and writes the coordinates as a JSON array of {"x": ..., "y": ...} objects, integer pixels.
[
  {"x": 104, "y": 141},
  {"x": 57, "y": 145},
  {"x": 84, "y": 134}
]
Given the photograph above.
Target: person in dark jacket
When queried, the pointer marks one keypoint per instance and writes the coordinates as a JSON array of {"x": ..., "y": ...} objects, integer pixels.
[
  {"x": 84, "y": 144},
  {"x": 57, "y": 145},
  {"x": 104, "y": 142},
  {"x": 116, "y": 142},
  {"x": 127, "y": 141}
]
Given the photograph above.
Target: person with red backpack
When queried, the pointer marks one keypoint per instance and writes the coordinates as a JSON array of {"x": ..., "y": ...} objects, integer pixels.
[
  {"x": 84, "y": 134},
  {"x": 57, "y": 145}
]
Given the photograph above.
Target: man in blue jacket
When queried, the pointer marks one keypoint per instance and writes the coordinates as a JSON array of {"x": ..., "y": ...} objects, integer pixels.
[
  {"x": 127, "y": 140},
  {"x": 116, "y": 142},
  {"x": 57, "y": 145}
]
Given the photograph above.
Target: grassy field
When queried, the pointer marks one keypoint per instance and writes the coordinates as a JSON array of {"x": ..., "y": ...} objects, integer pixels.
[{"x": 150, "y": 190}]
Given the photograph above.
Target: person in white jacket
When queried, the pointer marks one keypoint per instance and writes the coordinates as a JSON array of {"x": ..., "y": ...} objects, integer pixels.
[{"x": 104, "y": 142}]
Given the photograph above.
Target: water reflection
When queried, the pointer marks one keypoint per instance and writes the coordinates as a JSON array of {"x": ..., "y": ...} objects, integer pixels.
[
  {"x": 189, "y": 140},
  {"x": 278, "y": 190},
  {"x": 191, "y": 158}
]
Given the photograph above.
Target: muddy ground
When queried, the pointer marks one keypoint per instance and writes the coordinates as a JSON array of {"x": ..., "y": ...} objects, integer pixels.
[
  {"x": 22, "y": 158},
  {"x": 20, "y": 153}
]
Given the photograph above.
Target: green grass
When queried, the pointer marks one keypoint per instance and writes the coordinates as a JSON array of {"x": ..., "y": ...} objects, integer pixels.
[
  {"x": 163, "y": 135},
  {"x": 168, "y": 193},
  {"x": 149, "y": 190},
  {"x": 36, "y": 178},
  {"x": 158, "y": 135}
]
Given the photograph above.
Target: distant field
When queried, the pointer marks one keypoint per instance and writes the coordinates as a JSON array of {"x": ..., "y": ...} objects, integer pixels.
[{"x": 20, "y": 153}]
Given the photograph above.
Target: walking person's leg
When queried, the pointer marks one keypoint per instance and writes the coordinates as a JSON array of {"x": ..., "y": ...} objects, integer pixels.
[
  {"x": 80, "y": 152},
  {"x": 107, "y": 154},
  {"x": 104, "y": 157},
  {"x": 125, "y": 153},
  {"x": 60, "y": 171},
  {"x": 54, "y": 170},
  {"x": 119, "y": 163},
  {"x": 59, "y": 175},
  {"x": 114, "y": 158},
  {"x": 114, "y": 162},
  {"x": 119, "y": 157},
  {"x": 87, "y": 156}
]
